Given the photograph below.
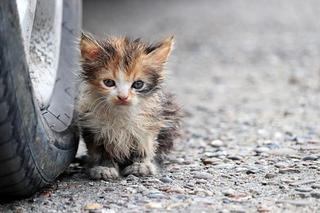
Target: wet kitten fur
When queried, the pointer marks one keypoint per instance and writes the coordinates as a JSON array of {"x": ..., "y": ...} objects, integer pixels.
[{"x": 125, "y": 137}]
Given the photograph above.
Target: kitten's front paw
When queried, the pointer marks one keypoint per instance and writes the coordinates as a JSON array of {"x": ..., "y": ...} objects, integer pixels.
[
  {"x": 140, "y": 169},
  {"x": 103, "y": 172}
]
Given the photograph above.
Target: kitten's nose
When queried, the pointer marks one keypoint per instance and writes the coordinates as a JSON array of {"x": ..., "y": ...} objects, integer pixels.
[{"x": 122, "y": 98}]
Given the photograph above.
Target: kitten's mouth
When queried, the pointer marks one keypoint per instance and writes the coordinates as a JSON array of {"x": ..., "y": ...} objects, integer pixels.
[{"x": 122, "y": 103}]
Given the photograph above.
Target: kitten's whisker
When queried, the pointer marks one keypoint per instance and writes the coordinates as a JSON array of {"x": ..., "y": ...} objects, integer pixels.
[{"x": 96, "y": 103}]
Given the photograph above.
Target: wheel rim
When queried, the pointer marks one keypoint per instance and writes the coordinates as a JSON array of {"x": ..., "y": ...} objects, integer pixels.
[
  {"x": 41, "y": 22},
  {"x": 50, "y": 30}
]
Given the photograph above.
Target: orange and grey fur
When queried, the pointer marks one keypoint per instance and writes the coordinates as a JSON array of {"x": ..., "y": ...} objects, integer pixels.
[{"x": 127, "y": 120}]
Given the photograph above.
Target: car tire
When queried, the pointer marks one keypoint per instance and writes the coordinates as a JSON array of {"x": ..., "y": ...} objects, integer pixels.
[{"x": 37, "y": 142}]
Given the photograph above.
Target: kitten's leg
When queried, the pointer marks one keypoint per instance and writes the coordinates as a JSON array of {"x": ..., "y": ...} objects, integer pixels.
[
  {"x": 103, "y": 172},
  {"x": 140, "y": 168},
  {"x": 100, "y": 165},
  {"x": 143, "y": 160}
]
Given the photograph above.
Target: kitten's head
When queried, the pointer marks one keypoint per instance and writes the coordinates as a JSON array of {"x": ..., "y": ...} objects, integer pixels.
[{"x": 123, "y": 71}]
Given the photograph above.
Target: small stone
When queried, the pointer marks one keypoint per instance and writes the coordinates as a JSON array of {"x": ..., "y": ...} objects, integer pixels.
[
  {"x": 241, "y": 169},
  {"x": 295, "y": 202},
  {"x": 156, "y": 195},
  {"x": 299, "y": 183},
  {"x": 310, "y": 158},
  {"x": 317, "y": 142},
  {"x": 251, "y": 171},
  {"x": 315, "y": 195},
  {"x": 91, "y": 183},
  {"x": 93, "y": 206},
  {"x": 304, "y": 189},
  {"x": 289, "y": 170},
  {"x": 175, "y": 205},
  {"x": 272, "y": 146},
  {"x": 107, "y": 211},
  {"x": 216, "y": 143},
  {"x": 229, "y": 193},
  {"x": 234, "y": 157},
  {"x": 211, "y": 161},
  {"x": 177, "y": 160},
  {"x": 278, "y": 135},
  {"x": 282, "y": 152},
  {"x": 263, "y": 209},
  {"x": 199, "y": 191},
  {"x": 166, "y": 179},
  {"x": 281, "y": 165},
  {"x": 315, "y": 186},
  {"x": 154, "y": 205},
  {"x": 202, "y": 175},
  {"x": 201, "y": 181},
  {"x": 270, "y": 175},
  {"x": 174, "y": 189},
  {"x": 263, "y": 132},
  {"x": 236, "y": 196},
  {"x": 132, "y": 178},
  {"x": 301, "y": 195},
  {"x": 109, "y": 189},
  {"x": 224, "y": 166},
  {"x": 261, "y": 149}
]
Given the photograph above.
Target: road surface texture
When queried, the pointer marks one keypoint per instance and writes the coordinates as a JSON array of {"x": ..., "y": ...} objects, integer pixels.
[{"x": 247, "y": 74}]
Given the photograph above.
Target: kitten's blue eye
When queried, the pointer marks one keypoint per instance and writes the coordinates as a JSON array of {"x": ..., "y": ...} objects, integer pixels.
[
  {"x": 109, "y": 83},
  {"x": 137, "y": 84}
]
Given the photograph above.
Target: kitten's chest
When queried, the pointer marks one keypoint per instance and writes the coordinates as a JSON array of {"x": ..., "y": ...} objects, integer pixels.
[{"x": 118, "y": 129}]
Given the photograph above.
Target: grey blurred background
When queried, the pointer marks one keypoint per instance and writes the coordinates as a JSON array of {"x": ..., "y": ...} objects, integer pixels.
[{"x": 222, "y": 46}]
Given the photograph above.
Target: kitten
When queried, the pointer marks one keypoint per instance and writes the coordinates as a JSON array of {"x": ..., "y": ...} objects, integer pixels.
[{"x": 126, "y": 119}]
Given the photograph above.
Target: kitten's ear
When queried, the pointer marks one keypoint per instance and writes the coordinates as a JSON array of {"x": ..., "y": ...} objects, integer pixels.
[
  {"x": 161, "y": 51},
  {"x": 89, "y": 47}
]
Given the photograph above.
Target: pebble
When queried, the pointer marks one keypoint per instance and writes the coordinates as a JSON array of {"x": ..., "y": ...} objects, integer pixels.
[
  {"x": 234, "y": 195},
  {"x": 263, "y": 209},
  {"x": 217, "y": 154},
  {"x": 315, "y": 194},
  {"x": 289, "y": 170},
  {"x": 299, "y": 140},
  {"x": 251, "y": 171},
  {"x": 216, "y": 143},
  {"x": 177, "y": 160},
  {"x": 166, "y": 179},
  {"x": 282, "y": 152},
  {"x": 234, "y": 157},
  {"x": 201, "y": 181},
  {"x": 272, "y": 146},
  {"x": 299, "y": 183},
  {"x": 296, "y": 202},
  {"x": 304, "y": 189},
  {"x": 270, "y": 175},
  {"x": 281, "y": 165},
  {"x": 211, "y": 161},
  {"x": 174, "y": 189},
  {"x": 93, "y": 206},
  {"x": 224, "y": 166},
  {"x": 261, "y": 149},
  {"x": 315, "y": 186},
  {"x": 199, "y": 191},
  {"x": 132, "y": 178},
  {"x": 153, "y": 205},
  {"x": 310, "y": 158},
  {"x": 156, "y": 195},
  {"x": 202, "y": 175},
  {"x": 241, "y": 169},
  {"x": 302, "y": 195},
  {"x": 263, "y": 132}
]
